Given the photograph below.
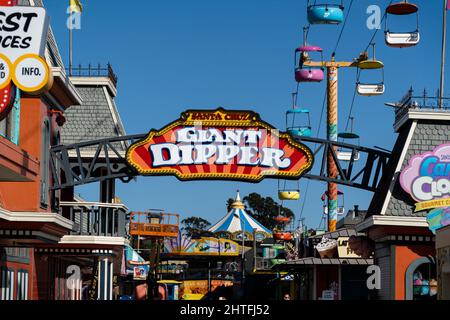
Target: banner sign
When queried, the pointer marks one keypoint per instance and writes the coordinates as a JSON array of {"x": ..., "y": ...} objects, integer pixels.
[
  {"x": 220, "y": 144},
  {"x": 427, "y": 180},
  {"x": 205, "y": 246},
  {"x": 427, "y": 176},
  {"x": 344, "y": 250},
  {"x": 200, "y": 287},
  {"x": 140, "y": 273},
  {"x": 438, "y": 218}
]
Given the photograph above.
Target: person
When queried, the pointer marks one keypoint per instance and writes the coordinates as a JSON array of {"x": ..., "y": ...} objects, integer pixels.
[
  {"x": 227, "y": 247},
  {"x": 287, "y": 296}
]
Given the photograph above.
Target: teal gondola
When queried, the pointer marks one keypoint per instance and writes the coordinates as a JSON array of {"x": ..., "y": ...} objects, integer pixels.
[
  {"x": 303, "y": 129},
  {"x": 347, "y": 137},
  {"x": 328, "y": 13}
]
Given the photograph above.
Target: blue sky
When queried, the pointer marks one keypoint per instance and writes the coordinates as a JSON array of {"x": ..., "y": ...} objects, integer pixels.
[{"x": 175, "y": 54}]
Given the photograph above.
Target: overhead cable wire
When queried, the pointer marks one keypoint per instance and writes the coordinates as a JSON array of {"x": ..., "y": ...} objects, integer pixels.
[
  {"x": 342, "y": 29},
  {"x": 378, "y": 28}
]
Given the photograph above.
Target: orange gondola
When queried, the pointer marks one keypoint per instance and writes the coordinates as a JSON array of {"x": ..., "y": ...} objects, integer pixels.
[
  {"x": 282, "y": 219},
  {"x": 283, "y": 236}
]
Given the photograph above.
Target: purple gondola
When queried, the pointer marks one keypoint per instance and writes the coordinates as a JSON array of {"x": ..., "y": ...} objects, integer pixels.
[{"x": 307, "y": 74}]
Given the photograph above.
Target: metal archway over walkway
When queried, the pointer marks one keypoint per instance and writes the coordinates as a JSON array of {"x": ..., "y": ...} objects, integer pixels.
[{"x": 99, "y": 160}]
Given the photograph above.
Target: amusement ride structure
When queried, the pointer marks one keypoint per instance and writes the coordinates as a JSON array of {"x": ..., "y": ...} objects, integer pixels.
[
  {"x": 309, "y": 70},
  {"x": 336, "y": 162}
]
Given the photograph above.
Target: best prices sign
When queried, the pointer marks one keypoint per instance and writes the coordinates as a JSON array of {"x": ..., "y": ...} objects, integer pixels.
[
  {"x": 23, "y": 30},
  {"x": 220, "y": 144},
  {"x": 23, "y": 37}
]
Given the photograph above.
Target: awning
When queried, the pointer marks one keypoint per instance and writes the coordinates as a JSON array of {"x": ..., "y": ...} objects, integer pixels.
[{"x": 311, "y": 261}]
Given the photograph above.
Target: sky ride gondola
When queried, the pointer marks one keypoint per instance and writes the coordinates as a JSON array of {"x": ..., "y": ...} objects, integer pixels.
[
  {"x": 282, "y": 219},
  {"x": 340, "y": 204},
  {"x": 307, "y": 74},
  {"x": 325, "y": 13},
  {"x": 402, "y": 39},
  {"x": 345, "y": 136},
  {"x": 280, "y": 233},
  {"x": 288, "y": 194},
  {"x": 300, "y": 129},
  {"x": 282, "y": 236},
  {"x": 370, "y": 89}
]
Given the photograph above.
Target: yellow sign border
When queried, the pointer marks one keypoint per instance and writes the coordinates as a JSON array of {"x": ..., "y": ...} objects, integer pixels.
[
  {"x": 255, "y": 121},
  {"x": 11, "y": 70},
  {"x": 42, "y": 84}
]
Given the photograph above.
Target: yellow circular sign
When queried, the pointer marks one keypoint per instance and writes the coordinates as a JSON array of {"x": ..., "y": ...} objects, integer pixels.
[
  {"x": 31, "y": 73},
  {"x": 5, "y": 71}
]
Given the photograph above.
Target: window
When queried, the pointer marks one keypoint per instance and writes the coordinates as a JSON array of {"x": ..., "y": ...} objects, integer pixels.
[
  {"x": 9, "y": 127},
  {"x": 22, "y": 285},
  {"x": 7, "y": 284},
  {"x": 424, "y": 282},
  {"x": 269, "y": 253},
  {"x": 45, "y": 163},
  {"x": 15, "y": 254}
]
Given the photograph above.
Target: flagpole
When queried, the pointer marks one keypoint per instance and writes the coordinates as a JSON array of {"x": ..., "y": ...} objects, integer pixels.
[
  {"x": 70, "y": 43},
  {"x": 444, "y": 35}
]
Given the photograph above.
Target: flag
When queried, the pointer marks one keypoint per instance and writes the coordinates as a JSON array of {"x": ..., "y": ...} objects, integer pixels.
[
  {"x": 76, "y": 6},
  {"x": 448, "y": 5}
]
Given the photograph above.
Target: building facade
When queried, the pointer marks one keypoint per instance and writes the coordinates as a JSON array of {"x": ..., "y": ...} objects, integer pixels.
[{"x": 55, "y": 245}]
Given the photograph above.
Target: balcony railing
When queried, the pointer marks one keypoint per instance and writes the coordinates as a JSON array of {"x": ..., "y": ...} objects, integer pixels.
[
  {"x": 93, "y": 71},
  {"x": 154, "y": 224},
  {"x": 421, "y": 102},
  {"x": 96, "y": 218}
]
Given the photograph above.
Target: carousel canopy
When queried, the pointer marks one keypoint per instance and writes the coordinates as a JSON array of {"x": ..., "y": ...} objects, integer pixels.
[{"x": 237, "y": 219}]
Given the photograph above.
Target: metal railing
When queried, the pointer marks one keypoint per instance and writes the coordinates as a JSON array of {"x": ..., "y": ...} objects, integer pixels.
[
  {"x": 93, "y": 71},
  {"x": 96, "y": 218},
  {"x": 154, "y": 224},
  {"x": 201, "y": 273},
  {"x": 364, "y": 173},
  {"x": 423, "y": 101}
]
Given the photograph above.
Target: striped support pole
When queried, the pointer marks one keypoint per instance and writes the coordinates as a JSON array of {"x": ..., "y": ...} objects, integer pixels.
[
  {"x": 105, "y": 279},
  {"x": 332, "y": 120}
]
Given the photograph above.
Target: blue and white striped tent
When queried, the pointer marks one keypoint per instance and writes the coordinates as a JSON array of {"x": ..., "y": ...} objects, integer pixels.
[{"x": 237, "y": 220}]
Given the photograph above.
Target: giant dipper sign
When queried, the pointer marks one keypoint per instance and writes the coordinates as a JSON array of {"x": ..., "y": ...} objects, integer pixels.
[{"x": 220, "y": 144}]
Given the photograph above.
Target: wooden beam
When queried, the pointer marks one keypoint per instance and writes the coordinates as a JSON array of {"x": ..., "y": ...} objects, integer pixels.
[{"x": 329, "y": 64}]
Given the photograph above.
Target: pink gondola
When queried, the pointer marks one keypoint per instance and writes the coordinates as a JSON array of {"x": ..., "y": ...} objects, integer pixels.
[{"x": 307, "y": 74}]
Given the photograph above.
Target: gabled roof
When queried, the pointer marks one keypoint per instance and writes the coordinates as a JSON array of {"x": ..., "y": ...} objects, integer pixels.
[
  {"x": 351, "y": 219},
  {"x": 344, "y": 232},
  {"x": 317, "y": 261},
  {"x": 97, "y": 117},
  {"x": 415, "y": 137}
]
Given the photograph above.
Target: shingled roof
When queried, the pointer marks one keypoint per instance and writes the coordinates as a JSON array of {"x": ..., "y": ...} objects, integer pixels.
[
  {"x": 97, "y": 118},
  {"x": 425, "y": 135}
]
